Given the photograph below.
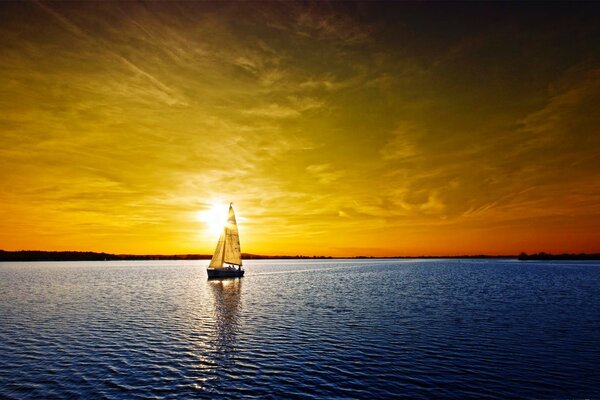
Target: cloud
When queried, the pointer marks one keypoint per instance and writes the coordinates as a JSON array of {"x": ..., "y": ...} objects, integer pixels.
[
  {"x": 402, "y": 145},
  {"x": 295, "y": 107},
  {"x": 168, "y": 94},
  {"x": 273, "y": 111},
  {"x": 324, "y": 173},
  {"x": 328, "y": 23},
  {"x": 567, "y": 104}
]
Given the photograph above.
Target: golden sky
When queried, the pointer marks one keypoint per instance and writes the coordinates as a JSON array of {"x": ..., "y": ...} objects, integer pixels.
[{"x": 334, "y": 128}]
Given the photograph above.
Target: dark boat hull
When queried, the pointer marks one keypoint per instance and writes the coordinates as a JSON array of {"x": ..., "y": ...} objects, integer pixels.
[{"x": 224, "y": 273}]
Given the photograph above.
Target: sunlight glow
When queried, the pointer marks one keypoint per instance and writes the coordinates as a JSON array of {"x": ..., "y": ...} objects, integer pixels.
[{"x": 214, "y": 218}]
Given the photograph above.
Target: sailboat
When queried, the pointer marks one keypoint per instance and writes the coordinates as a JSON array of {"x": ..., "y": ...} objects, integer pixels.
[{"x": 227, "y": 260}]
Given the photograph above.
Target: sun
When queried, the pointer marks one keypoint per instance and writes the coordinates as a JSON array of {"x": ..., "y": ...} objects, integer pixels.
[{"x": 214, "y": 218}]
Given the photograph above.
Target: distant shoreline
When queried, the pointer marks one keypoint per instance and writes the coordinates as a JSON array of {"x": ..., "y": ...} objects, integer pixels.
[
  {"x": 546, "y": 256},
  {"x": 39, "y": 255}
]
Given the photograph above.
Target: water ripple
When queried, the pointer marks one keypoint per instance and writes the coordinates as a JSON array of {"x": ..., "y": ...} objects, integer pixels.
[{"x": 336, "y": 328}]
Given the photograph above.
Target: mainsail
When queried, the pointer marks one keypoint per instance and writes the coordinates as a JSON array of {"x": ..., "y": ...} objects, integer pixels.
[{"x": 228, "y": 247}]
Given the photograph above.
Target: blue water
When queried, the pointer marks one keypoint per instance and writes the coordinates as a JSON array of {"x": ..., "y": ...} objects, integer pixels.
[{"x": 336, "y": 328}]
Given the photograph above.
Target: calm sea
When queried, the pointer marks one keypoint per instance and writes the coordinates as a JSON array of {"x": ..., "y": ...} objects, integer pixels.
[{"x": 311, "y": 329}]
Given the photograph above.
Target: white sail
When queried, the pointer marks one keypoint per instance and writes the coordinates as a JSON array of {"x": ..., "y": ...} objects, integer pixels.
[
  {"x": 217, "y": 258},
  {"x": 228, "y": 247}
]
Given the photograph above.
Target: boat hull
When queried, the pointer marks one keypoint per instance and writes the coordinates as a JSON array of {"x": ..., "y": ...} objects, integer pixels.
[{"x": 224, "y": 273}]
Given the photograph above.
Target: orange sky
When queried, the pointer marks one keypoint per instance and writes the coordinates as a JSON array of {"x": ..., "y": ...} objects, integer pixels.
[{"x": 335, "y": 128}]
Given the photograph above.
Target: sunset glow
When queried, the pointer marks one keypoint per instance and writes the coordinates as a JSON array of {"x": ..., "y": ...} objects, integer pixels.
[
  {"x": 336, "y": 129},
  {"x": 214, "y": 218}
]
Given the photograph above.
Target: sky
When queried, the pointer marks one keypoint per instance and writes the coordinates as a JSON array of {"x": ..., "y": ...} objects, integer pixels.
[{"x": 337, "y": 129}]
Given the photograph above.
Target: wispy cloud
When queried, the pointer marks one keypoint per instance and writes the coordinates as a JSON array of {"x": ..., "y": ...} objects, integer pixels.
[
  {"x": 169, "y": 94},
  {"x": 328, "y": 23},
  {"x": 324, "y": 173},
  {"x": 294, "y": 107},
  {"x": 402, "y": 144}
]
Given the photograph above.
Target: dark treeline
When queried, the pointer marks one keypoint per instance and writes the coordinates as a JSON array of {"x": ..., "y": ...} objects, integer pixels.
[
  {"x": 565, "y": 256},
  {"x": 38, "y": 255}
]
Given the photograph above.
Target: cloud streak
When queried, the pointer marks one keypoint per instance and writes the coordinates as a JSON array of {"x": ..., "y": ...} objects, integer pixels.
[{"x": 81, "y": 34}]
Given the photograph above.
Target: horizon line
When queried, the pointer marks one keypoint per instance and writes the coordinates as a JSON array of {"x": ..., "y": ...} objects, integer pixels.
[{"x": 249, "y": 256}]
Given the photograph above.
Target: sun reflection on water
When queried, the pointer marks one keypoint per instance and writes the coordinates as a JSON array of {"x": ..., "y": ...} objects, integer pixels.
[{"x": 226, "y": 297}]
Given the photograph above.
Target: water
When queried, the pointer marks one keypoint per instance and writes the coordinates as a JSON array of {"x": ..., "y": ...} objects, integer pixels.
[{"x": 336, "y": 328}]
